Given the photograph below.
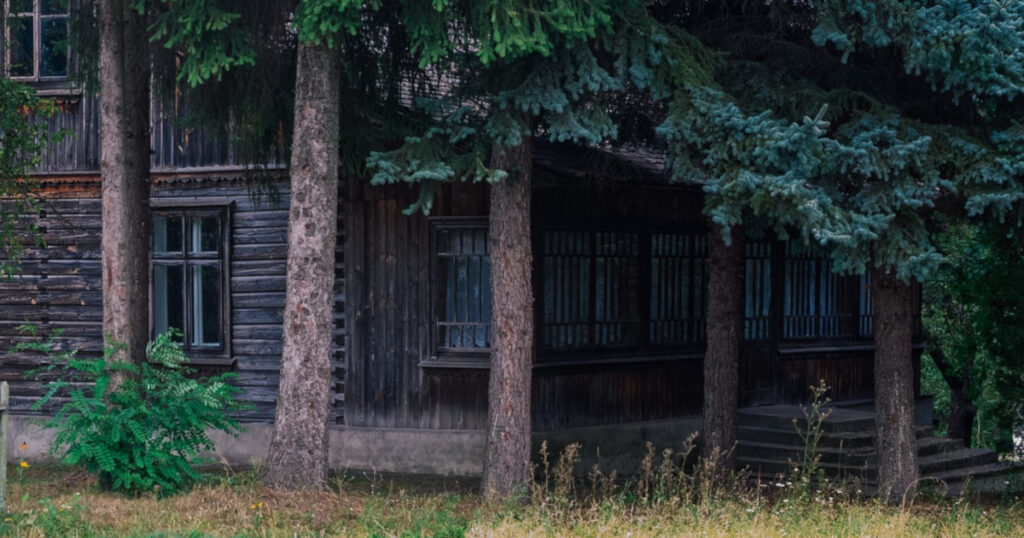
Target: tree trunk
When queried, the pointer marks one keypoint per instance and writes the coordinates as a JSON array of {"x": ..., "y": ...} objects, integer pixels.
[
  {"x": 298, "y": 447},
  {"x": 894, "y": 387},
  {"x": 724, "y": 321},
  {"x": 124, "y": 166},
  {"x": 962, "y": 410},
  {"x": 507, "y": 463}
]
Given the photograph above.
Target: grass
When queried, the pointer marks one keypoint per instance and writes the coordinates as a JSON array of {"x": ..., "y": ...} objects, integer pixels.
[{"x": 52, "y": 500}]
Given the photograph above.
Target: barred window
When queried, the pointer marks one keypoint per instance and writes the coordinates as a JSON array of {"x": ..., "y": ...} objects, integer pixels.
[
  {"x": 590, "y": 292},
  {"x": 818, "y": 303},
  {"x": 462, "y": 273},
  {"x": 677, "y": 288}
]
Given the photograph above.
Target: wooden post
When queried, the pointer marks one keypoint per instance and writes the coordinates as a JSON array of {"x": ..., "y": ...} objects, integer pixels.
[{"x": 5, "y": 399}]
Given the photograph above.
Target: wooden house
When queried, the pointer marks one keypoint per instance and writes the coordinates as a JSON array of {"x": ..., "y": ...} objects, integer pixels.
[{"x": 619, "y": 279}]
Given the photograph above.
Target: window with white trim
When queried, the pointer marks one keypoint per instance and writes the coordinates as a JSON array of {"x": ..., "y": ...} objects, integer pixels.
[
  {"x": 35, "y": 40},
  {"x": 189, "y": 278}
]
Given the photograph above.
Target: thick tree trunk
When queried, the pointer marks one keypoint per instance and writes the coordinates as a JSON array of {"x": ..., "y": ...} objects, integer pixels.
[
  {"x": 298, "y": 447},
  {"x": 124, "y": 167},
  {"x": 894, "y": 387},
  {"x": 724, "y": 321},
  {"x": 962, "y": 410},
  {"x": 507, "y": 463}
]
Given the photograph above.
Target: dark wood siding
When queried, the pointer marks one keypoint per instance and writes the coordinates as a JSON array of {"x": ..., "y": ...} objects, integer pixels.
[
  {"x": 388, "y": 290},
  {"x": 60, "y": 288},
  {"x": 175, "y": 147}
]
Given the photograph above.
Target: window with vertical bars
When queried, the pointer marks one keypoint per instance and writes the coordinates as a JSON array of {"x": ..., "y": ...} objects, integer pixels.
[
  {"x": 462, "y": 273},
  {"x": 818, "y": 303},
  {"x": 757, "y": 283},
  {"x": 590, "y": 292},
  {"x": 677, "y": 288}
]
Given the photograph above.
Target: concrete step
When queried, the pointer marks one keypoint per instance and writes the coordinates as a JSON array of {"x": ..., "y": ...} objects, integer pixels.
[
  {"x": 864, "y": 454},
  {"x": 789, "y": 436},
  {"x": 770, "y": 468},
  {"x": 956, "y": 459},
  {"x": 990, "y": 477},
  {"x": 762, "y": 460},
  {"x": 785, "y": 453},
  {"x": 781, "y": 417},
  {"x": 928, "y": 446}
]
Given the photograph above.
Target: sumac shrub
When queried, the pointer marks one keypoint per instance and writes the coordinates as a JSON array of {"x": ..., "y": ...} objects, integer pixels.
[{"x": 147, "y": 433}]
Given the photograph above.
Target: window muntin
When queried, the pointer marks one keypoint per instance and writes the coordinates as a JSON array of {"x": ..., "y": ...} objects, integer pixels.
[
  {"x": 817, "y": 303},
  {"x": 590, "y": 293},
  {"x": 677, "y": 288},
  {"x": 462, "y": 273},
  {"x": 757, "y": 284},
  {"x": 637, "y": 290},
  {"x": 36, "y": 40},
  {"x": 189, "y": 279}
]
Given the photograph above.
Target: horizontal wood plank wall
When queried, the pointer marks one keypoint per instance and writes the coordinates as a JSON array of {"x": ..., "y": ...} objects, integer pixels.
[{"x": 60, "y": 288}]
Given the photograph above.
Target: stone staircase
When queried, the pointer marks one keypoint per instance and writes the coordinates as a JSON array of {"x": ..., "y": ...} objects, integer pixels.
[{"x": 768, "y": 442}]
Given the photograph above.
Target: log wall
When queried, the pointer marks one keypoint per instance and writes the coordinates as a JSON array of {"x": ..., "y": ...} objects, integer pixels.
[{"x": 59, "y": 288}]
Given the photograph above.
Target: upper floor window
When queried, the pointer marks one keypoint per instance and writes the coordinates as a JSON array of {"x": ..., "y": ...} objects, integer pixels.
[
  {"x": 36, "y": 40},
  {"x": 189, "y": 278}
]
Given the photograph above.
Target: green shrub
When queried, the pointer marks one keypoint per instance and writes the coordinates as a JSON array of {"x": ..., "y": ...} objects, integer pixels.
[{"x": 145, "y": 434}]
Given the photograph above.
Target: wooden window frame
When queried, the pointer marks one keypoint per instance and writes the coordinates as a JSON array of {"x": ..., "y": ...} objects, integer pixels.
[
  {"x": 445, "y": 357},
  {"x": 219, "y": 355},
  {"x": 644, "y": 349},
  {"x": 45, "y": 85},
  {"x": 849, "y": 296}
]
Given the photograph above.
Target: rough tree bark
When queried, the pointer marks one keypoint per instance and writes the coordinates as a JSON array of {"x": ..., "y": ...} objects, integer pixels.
[
  {"x": 124, "y": 167},
  {"x": 894, "y": 387},
  {"x": 507, "y": 463},
  {"x": 724, "y": 321},
  {"x": 962, "y": 410},
  {"x": 298, "y": 447}
]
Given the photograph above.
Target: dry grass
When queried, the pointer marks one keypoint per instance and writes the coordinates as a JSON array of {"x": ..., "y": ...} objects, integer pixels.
[{"x": 60, "y": 501}]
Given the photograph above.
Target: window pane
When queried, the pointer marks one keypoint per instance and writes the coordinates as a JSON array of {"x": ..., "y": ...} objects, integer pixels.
[
  {"x": 206, "y": 314},
  {"x": 813, "y": 305},
  {"x": 204, "y": 234},
  {"x": 168, "y": 302},
  {"x": 53, "y": 62},
  {"x": 166, "y": 234},
  {"x": 21, "y": 6},
  {"x": 53, "y": 7},
  {"x": 464, "y": 299},
  {"x": 757, "y": 290},
  {"x": 21, "y": 46},
  {"x": 677, "y": 284}
]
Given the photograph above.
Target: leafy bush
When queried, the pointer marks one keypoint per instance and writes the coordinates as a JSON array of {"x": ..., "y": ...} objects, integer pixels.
[{"x": 145, "y": 434}]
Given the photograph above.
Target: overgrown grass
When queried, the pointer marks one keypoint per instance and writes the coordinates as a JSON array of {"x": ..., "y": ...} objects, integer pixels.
[{"x": 62, "y": 501}]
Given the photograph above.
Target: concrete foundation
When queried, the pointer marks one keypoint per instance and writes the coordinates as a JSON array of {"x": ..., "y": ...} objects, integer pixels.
[{"x": 439, "y": 452}]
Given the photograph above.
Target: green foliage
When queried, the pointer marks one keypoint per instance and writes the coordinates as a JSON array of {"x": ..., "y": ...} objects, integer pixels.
[
  {"x": 974, "y": 309},
  {"x": 146, "y": 433},
  {"x": 23, "y": 138},
  {"x": 202, "y": 30},
  {"x": 960, "y": 46}
]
